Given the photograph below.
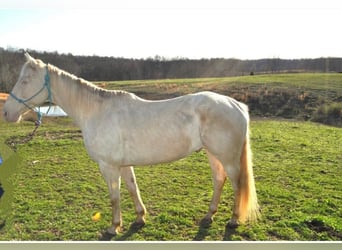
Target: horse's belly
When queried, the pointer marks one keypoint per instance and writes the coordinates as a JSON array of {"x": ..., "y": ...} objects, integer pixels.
[
  {"x": 144, "y": 137},
  {"x": 160, "y": 149}
]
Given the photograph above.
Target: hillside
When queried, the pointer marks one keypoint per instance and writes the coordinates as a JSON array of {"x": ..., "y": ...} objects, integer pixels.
[{"x": 307, "y": 96}]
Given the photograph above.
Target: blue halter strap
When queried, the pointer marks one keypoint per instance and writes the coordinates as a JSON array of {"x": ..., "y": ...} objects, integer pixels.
[{"x": 46, "y": 85}]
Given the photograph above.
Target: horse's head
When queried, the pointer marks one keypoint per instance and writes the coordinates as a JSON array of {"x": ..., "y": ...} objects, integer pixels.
[{"x": 29, "y": 91}]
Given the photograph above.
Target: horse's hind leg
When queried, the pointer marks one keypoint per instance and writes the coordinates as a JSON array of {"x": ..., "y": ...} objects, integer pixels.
[
  {"x": 233, "y": 172},
  {"x": 127, "y": 173},
  {"x": 220, "y": 172},
  {"x": 219, "y": 178}
]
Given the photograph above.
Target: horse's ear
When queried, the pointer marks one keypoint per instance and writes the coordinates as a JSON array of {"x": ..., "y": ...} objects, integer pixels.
[
  {"x": 28, "y": 57},
  {"x": 31, "y": 60}
]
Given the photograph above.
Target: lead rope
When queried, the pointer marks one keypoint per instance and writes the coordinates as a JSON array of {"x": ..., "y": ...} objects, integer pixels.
[
  {"x": 36, "y": 124},
  {"x": 32, "y": 134}
]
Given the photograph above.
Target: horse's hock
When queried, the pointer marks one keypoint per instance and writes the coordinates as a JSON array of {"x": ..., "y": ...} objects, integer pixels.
[{"x": 3, "y": 97}]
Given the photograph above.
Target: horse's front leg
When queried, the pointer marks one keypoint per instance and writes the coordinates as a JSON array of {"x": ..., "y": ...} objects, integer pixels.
[
  {"x": 112, "y": 176},
  {"x": 127, "y": 173}
]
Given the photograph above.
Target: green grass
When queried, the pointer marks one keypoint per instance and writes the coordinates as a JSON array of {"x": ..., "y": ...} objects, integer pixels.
[{"x": 56, "y": 188}]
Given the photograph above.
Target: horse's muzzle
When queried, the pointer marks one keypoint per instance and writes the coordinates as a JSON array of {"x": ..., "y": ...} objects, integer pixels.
[{"x": 11, "y": 117}]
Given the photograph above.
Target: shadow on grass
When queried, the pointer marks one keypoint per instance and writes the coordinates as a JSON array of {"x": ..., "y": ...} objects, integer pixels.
[
  {"x": 2, "y": 224},
  {"x": 2, "y": 191},
  {"x": 203, "y": 232},
  {"x": 134, "y": 228}
]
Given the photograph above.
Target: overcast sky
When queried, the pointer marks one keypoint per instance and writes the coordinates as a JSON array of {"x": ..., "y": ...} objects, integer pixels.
[{"x": 244, "y": 29}]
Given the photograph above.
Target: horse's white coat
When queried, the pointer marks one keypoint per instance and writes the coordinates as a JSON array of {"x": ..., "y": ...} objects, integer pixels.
[{"x": 121, "y": 130}]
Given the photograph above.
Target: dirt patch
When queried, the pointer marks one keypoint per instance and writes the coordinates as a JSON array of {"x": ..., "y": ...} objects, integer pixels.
[
  {"x": 58, "y": 135},
  {"x": 319, "y": 226},
  {"x": 13, "y": 141}
]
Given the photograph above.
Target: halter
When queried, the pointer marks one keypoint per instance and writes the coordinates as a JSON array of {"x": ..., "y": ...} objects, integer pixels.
[{"x": 46, "y": 85}]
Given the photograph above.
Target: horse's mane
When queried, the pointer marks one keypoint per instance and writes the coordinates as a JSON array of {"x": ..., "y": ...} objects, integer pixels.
[{"x": 80, "y": 84}]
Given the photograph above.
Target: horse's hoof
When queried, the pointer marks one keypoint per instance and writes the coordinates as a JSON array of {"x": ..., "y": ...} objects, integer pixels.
[
  {"x": 137, "y": 225},
  {"x": 113, "y": 231},
  {"x": 206, "y": 222},
  {"x": 105, "y": 236},
  {"x": 232, "y": 224}
]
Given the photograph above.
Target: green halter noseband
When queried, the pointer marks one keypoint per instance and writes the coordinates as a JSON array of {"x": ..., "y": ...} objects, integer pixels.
[{"x": 46, "y": 85}]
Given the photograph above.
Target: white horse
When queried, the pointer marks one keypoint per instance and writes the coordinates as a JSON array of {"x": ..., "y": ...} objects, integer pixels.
[{"x": 121, "y": 130}]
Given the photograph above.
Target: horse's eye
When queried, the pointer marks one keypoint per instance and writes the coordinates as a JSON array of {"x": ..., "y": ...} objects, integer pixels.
[{"x": 24, "y": 82}]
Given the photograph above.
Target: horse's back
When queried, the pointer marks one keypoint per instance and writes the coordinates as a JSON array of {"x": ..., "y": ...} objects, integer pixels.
[{"x": 225, "y": 107}]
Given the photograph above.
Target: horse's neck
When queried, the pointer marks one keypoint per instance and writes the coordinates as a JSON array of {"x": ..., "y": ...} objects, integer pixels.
[{"x": 73, "y": 98}]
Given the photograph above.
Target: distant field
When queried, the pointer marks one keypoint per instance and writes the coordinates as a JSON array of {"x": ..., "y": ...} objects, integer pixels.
[
  {"x": 306, "y": 81},
  {"x": 305, "y": 96},
  {"x": 52, "y": 188}
]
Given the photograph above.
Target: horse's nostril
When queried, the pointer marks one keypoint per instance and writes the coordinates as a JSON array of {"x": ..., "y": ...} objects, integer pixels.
[{"x": 5, "y": 113}]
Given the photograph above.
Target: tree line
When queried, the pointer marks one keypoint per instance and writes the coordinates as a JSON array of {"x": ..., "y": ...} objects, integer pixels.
[{"x": 96, "y": 68}]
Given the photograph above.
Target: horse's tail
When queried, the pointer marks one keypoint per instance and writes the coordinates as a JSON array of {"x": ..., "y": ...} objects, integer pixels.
[{"x": 247, "y": 203}]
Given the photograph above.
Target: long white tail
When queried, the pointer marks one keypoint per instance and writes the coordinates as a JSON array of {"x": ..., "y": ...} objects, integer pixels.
[{"x": 247, "y": 202}]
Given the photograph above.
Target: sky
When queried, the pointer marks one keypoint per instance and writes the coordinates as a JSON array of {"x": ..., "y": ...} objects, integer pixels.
[{"x": 243, "y": 29}]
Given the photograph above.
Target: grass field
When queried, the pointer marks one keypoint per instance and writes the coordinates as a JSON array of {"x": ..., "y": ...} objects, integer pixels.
[
  {"x": 328, "y": 85},
  {"x": 56, "y": 188},
  {"x": 52, "y": 188}
]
